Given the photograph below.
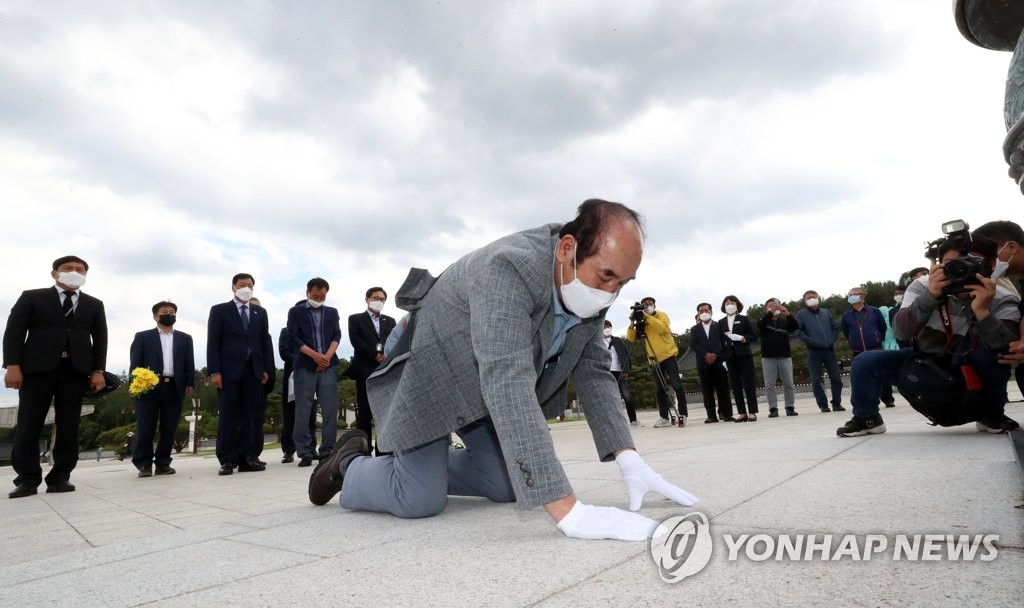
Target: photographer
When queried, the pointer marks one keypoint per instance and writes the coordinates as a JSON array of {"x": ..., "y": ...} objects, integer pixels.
[
  {"x": 981, "y": 319},
  {"x": 652, "y": 326}
]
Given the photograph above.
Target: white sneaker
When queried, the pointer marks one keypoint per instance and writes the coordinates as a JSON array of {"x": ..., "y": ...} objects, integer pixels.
[
  {"x": 662, "y": 423},
  {"x": 636, "y": 423}
]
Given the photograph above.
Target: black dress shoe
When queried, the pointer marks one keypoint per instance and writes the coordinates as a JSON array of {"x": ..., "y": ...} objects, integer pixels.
[
  {"x": 729, "y": 419},
  {"x": 305, "y": 461},
  {"x": 250, "y": 465},
  {"x": 226, "y": 469},
  {"x": 326, "y": 480},
  {"x": 773, "y": 413},
  {"x": 287, "y": 458},
  {"x": 21, "y": 490},
  {"x": 165, "y": 470},
  {"x": 262, "y": 462},
  {"x": 146, "y": 471},
  {"x": 710, "y": 420},
  {"x": 60, "y": 486}
]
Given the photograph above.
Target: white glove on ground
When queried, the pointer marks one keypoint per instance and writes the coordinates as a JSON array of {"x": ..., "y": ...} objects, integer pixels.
[
  {"x": 594, "y": 523},
  {"x": 641, "y": 479}
]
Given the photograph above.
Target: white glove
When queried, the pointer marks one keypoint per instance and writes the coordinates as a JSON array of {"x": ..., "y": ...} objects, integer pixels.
[
  {"x": 641, "y": 479},
  {"x": 734, "y": 337},
  {"x": 594, "y": 523}
]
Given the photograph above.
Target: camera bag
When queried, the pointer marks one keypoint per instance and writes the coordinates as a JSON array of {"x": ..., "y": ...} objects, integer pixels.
[{"x": 945, "y": 393}]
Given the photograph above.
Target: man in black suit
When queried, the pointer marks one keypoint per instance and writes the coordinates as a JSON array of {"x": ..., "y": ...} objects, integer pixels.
[
  {"x": 168, "y": 354},
  {"x": 238, "y": 353},
  {"x": 55, "y": 347},
  {"x": 708, "y": 344},
  {"x": 368, "y": 332}
]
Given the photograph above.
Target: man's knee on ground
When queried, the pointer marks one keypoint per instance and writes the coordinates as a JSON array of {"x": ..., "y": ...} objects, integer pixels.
[{"x": 425, "y": 505}]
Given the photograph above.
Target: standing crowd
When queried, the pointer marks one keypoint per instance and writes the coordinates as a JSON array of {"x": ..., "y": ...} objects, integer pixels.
[
  {"x": 487, "y": 350},
  {"x": 55, "y": 349}
]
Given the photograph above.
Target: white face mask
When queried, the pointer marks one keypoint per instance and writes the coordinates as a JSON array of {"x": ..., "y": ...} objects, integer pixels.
[
  {"x": 244, "y": 293},
  {"x": 1001, "y": 267},
  {"x": 649, "y": 310},
  {"x": 73, "y": 280},
  {"x": 898, "y": 299},
  {"x": 812, "y": 302},
  {"x": 376, "y": 305},
  {"x": 582, "y": 300},
  {"x": 730, "y": 309},
  {"x": 314, "y": 303},
  {"x": 705, "y": 317},
  {"x": 607, "y": 332}
]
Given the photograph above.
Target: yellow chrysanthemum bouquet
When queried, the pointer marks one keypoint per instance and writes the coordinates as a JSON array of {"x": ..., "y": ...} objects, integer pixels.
[{"x": 143, "y": 381}]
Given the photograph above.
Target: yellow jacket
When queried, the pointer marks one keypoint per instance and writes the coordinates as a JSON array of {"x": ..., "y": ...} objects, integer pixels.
[{"x": 659, "y": 344}]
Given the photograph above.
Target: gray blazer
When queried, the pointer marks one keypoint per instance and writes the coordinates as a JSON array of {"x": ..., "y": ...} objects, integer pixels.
[{"x": 476, "y": 346}]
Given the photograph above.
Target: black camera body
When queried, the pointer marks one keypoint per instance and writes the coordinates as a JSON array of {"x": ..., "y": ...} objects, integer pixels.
[
  {"x": 962, "y": 270},
  {"x": 637, "y": 318}
]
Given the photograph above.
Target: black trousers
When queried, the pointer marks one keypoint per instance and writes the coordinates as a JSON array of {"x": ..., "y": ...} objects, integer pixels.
[
  {"x": 235, "y": 405},
  {"x": 715, "y": 381},
  {"x": 161, "y": 405},
  {"x": 63, "y": 387},
  {"x": 670, "y": 372},
  {"x": 259, "y": 416},
  {"x": 627, "y": 395},
  {"x": 364, "y": 415},
  {"x": 741, "y": 377}
]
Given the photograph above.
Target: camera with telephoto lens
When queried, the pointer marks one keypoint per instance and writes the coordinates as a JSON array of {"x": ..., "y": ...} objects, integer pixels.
[{"x": 962, "y": 270}]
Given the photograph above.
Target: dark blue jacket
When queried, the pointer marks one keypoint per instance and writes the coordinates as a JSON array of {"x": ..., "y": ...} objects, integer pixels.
[
  {"x": 300, "y": 326},
  {"x": 230, "y": 348},
  {"x": 864, "y": 330},
  {"x": 817, "y": 328}
]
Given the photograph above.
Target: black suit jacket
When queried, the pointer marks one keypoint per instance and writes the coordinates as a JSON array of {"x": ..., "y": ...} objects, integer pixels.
[
  {"x": 364, "y": 339},
  {"x": 742, "y": 326},
  {"x": 37, "y": 331},
  {"x": 702, "y": 343},
  {"x": 148, "y": 352},
  {"x": 228, "y": 344}
]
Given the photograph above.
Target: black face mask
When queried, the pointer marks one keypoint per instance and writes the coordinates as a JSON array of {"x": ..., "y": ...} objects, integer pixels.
[{"x": 167, "y": 320}]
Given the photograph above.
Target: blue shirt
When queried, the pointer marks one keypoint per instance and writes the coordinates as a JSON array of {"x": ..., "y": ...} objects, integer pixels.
[{"x": 564, "y": 321}]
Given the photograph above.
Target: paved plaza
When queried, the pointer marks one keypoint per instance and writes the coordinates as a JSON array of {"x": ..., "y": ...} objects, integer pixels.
[{"x": 253, "y": 539}]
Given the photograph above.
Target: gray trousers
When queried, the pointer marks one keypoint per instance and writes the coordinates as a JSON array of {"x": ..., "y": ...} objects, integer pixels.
[
  {"x": 417, "y": 482},
  {"x": 325, "y": 386},
  {"x": 778, "y": 368}
]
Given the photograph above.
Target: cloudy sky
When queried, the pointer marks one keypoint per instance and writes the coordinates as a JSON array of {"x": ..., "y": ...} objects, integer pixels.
[{"x": 773, "y": 147}]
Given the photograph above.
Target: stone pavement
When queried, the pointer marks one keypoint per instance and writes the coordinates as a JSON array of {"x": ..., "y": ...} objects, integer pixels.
[{"x": 252, "y": 539}]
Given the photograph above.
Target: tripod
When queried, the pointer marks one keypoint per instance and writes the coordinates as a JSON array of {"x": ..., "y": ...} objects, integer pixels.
[{"x": 660, "y": 381}]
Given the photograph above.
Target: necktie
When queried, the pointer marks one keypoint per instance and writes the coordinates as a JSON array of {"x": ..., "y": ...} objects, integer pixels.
[
  {"x": 69, "y": 306},
  {"x": 245, "y": 317}
]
